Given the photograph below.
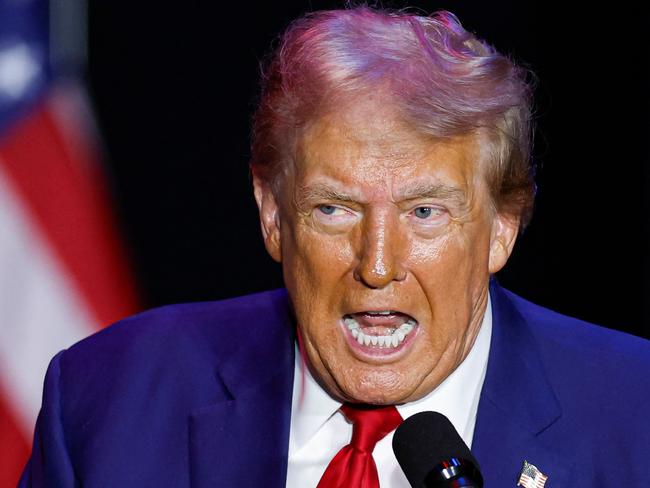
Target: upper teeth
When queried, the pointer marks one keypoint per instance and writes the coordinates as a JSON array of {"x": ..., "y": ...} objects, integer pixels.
[
  {"x": 394, "y": 339},
  {"x": 382, "y": 312}
]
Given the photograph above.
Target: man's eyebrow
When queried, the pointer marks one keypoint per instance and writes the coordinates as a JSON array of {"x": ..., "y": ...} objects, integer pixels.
[
  {"x": 441, "y": 191},
  {"x": 322, "y": 192},
  {"x": 437, "y": 191}
]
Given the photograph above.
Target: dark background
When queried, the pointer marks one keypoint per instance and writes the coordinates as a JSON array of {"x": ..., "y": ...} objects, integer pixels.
[{"x": 174, "y": 85}]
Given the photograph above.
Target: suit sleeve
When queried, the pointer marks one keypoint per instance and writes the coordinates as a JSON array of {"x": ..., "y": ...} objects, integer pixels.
[{"x": 49, "y": 464}]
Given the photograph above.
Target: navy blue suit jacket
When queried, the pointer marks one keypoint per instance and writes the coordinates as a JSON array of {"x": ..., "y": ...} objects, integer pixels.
[{"x": 200, "y": 395}]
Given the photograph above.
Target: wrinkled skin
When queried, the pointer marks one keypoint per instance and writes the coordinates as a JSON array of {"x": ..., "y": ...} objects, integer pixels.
[{"x": 374, "y": 216}]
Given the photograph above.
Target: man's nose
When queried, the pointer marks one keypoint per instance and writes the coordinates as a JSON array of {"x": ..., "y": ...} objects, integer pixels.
[{"x": 381, "y": 252}]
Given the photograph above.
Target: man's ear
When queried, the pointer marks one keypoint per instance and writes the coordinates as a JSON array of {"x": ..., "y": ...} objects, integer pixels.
[
  {"x": 505, "y": 228},
  {"x": 269, "y": 217}
]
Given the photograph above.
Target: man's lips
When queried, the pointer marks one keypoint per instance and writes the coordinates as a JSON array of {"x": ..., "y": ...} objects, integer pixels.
[{"x": 380, "y": 329}]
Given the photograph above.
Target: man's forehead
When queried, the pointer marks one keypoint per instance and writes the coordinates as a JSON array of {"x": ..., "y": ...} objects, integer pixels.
[
  {"x": 405, "y": 157},
  {"x": 365, "y": 128},
  {"x": 375, "y": 129}
]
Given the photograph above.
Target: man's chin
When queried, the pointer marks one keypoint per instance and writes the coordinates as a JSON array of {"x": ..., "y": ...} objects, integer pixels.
[
  {"x": 348, "y": 379},
  {"x": 377, "y": 398},
  {"x": 383, "y": 390}
]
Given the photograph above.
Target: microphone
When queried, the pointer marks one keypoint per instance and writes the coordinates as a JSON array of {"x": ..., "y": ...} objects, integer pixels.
[{"x": 432, "y": 454}]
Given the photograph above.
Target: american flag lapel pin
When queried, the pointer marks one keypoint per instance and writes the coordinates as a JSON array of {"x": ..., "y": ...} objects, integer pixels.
[{"x": 531, "y": 477}]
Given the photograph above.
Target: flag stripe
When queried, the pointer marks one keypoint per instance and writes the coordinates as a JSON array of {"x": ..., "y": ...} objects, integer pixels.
[
  {"x": 40, "y": 312},
  {"x": 59, "y": 182}
]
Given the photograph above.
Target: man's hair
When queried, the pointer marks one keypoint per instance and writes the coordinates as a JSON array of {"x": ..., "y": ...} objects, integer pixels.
[{"x": 441, "y": 79}]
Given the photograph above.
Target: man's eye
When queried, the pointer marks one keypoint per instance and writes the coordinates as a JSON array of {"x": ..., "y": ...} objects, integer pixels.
[
  {"x": 426, "y": 212},
  {"x": 334, "y": 215},
  {"x": 327, "y": 209}
]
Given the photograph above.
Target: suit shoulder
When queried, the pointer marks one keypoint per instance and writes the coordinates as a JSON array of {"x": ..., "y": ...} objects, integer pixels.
[
  {"x": 140, "y": 380},
  {"x": 579, "y": 336},
  {"x": 592, "y": 368},
  {"x": 173, "y": 331},
  {"x": 171, "y": 319}
]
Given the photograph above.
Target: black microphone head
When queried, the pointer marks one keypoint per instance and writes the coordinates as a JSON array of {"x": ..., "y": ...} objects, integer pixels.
[{"x": 425, "y": 443}]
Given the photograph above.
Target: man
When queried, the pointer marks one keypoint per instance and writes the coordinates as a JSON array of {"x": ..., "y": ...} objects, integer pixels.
[{"x": 391, "y": 170}]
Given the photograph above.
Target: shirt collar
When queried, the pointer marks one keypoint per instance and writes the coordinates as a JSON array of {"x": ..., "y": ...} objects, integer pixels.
[
  {"x": 456, "y": 397},
  {"x": 311, "y": 406}
]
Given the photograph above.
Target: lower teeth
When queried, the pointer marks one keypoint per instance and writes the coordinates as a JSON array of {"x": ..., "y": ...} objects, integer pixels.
[{"x": 384, "y": 341}]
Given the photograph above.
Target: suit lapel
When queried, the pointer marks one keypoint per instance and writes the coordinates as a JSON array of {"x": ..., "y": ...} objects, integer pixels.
[
  {"x": 517, "y": 403},
  {"x": 243, "y": 440}
]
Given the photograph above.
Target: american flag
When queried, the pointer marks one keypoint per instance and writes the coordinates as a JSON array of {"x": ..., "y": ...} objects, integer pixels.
[
  {"x": 62, "y": 274},
  {"x": 531, "y": 477}
]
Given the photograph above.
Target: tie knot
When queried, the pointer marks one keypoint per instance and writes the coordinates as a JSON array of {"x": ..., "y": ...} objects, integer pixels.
[{"x": 370, "y": 424}]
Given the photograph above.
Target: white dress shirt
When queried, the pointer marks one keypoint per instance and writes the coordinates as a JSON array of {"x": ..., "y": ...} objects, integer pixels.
[{"x": 319, "y": 430}]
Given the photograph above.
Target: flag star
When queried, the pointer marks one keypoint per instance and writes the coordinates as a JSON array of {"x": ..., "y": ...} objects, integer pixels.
[{"x": 19, "y": 68}]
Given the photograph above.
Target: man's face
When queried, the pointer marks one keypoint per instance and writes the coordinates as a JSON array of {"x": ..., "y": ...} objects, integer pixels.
[{"x": 387, "y": 240}]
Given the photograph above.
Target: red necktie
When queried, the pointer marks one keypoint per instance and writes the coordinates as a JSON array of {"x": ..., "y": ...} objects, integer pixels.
[{"x": 353, "y": 466}]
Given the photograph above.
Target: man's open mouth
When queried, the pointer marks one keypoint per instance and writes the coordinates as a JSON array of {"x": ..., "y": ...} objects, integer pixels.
[{"x": 381, "y": 329}]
